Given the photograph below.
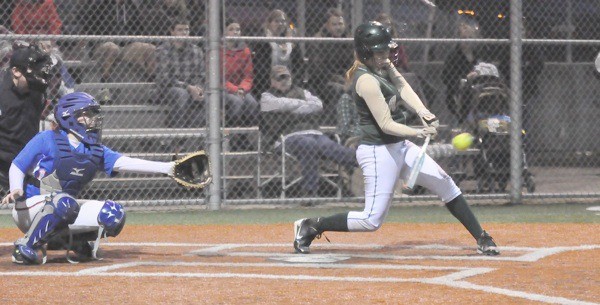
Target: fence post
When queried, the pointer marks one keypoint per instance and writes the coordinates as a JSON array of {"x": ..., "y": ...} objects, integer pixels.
[
  {"x": 214, "y": 98},
  {"x": 516, "y": 103}
]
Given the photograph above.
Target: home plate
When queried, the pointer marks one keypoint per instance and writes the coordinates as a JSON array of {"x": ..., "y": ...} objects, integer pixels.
[{"x": 312, "y": 258}]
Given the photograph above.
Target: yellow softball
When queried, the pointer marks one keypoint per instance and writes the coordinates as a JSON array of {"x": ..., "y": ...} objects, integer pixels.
[{"x": 462, "y": 141}]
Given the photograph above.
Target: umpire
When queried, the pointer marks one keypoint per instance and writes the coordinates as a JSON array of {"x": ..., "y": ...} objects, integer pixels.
[{"x": 22, "y": 100}]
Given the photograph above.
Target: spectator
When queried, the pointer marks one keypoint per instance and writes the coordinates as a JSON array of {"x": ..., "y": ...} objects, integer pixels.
[
  {"x": 242, "y": 107},
  {"x": 532, "y": 64},
  {"x": 398, "y": 54},
  {"x": 458, "y": 64},
  {"x": 180, "y": 77},
  {"x": 269, "y": 54},
  {"x": 6, "y": 8},
  {"x": 289, "y": 110},
  {"x": 35, "y": 17},
  {"x": 197, "y": 17},
  {"x": 118, "y": 17},
  {"x": 5, "y": 48},
  {"x": 162, "y": 11},
  {"x": 328, "y": 65},
  {"x": 347, "y": 120},
  {"x": 22, "y": 88}
]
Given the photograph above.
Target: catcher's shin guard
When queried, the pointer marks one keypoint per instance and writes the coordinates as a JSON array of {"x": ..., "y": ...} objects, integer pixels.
[
  {"x": 58, "y": 212},
  {"x": 112, "y": 218}
]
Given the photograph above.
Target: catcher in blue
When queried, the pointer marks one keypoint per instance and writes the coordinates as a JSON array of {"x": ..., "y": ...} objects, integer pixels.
[
  {"x": 382, "y": 95},
  {"x": 62, "y": 162}
]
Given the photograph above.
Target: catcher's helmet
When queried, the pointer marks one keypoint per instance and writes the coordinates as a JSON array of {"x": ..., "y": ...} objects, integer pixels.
[
  {"x": 77, "y": 104},
  {"x": 370, "y": 37}
]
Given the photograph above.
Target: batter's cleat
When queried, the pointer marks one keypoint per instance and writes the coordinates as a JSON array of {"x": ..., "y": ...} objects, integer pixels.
[
  {"x": 486, "y": 245},
  {"x": 24, "y": 255},
  {"x": 304, "y": 234}
]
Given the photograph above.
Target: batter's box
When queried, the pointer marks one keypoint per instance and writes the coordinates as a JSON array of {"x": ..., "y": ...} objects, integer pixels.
[{"x": 327, "y": 253}]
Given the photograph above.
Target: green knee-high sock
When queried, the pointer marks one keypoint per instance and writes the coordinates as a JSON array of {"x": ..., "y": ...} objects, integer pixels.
[
  {"x": 337, "y": 222},
  {"x": 460, "y": 209}
]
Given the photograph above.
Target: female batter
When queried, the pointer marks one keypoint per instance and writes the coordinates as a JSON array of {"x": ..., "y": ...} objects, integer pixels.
[{"x": 384, "y": 154}]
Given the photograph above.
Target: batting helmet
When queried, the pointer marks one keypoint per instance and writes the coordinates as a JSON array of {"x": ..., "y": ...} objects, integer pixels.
[
  {"x": 77, "y": 104},
  {"x": 371, "y": 37}
]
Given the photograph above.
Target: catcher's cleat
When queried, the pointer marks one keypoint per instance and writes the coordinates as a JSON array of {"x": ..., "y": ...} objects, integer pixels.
[
  {"x": 24, "y": 255},
  {"x": 304, "y": 234},
  {"x": 82, "y": 252},
  {"x": 486, "y": 245}
]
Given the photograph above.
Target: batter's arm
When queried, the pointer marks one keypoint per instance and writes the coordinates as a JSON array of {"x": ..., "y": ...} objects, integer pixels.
[
  {"x": 409, "y": 96},
  {"x": 367, "y": 87}
]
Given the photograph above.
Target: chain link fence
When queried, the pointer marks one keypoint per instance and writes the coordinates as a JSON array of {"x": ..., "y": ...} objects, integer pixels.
[{"x": 285, "y": 113}]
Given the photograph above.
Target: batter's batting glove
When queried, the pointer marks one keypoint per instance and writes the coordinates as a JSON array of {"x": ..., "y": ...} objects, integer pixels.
[
  {"x": 426, "y": 131},
  {"x": 429, "y": 118}
]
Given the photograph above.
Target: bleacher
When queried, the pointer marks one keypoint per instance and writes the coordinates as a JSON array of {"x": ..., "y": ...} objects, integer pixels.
[{"x": 134, "y": 124}]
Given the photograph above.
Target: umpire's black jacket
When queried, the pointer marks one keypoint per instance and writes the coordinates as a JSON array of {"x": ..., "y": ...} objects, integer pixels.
[{"x": 19, "y": 120}]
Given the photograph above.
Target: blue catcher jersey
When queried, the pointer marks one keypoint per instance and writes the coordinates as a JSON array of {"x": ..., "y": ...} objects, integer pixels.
[{"x": 40, "y": 158}]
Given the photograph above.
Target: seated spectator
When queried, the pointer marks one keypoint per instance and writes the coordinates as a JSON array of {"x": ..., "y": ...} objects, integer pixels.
[
  {"x": 180, "y": 78},
  {"x": 328, "y": 63},
  {"x": 241, "y": 107},
  {"x": 35, "y": 17},
  {"x": 5, "y": 48},
  {"x": 398, "y": 54},
  {"x": 269, "y": 54},
  {"x": 347, "y": 121},
  {"x": 460, "y": 62},
  {"x": 160, "y": 12},
  {"x": 289, "y": 110},
  {"x": 118, "y": 17}
]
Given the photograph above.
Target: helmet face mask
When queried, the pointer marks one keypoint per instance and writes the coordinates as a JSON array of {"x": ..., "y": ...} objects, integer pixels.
[
  {"x": 79, "y": 114},
  {"x": 371, "y": 37},
  {"x": 90, "y": 118},
  {"x": 34, "y": 63}
]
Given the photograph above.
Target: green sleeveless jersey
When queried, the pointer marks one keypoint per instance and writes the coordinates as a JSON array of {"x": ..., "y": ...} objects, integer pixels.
[{"x": 371, "y": 132}]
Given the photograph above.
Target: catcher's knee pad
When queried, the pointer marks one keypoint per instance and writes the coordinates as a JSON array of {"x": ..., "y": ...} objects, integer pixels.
[
  {"x": 59, "y": 211},
  {"x": 112, "y": 218},
  {"x": 65, "y": 207}
]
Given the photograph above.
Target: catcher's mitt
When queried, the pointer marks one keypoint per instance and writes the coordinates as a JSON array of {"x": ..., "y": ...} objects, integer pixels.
[{"x": 193, "y": 170}]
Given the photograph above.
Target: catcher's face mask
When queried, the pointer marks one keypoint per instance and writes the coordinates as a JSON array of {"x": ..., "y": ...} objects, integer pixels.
[{"x": 91, "y": 120}]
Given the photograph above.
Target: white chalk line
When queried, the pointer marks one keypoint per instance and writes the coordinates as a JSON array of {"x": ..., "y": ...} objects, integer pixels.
[{"x": 452, "y": 280}]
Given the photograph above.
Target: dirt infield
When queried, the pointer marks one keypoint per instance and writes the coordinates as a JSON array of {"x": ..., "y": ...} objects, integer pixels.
[{"x": 255, "y": 264}]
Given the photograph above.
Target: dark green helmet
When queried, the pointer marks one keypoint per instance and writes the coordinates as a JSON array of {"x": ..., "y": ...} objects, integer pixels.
[{"x": 370, "y": 37}]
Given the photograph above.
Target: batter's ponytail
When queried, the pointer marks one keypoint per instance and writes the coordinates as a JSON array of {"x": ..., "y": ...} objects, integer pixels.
[{"x": 352, "y": 70}]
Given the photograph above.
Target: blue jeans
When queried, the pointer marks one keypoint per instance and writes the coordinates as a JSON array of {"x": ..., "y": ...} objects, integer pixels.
[
  {"x": 241, "y": 111},
  {"x": 183, "y": 111},
  {"x": 310, "y": 149}
]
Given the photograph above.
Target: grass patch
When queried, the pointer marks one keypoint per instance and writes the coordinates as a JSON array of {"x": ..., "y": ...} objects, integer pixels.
[{"x": 548, "y": 213}]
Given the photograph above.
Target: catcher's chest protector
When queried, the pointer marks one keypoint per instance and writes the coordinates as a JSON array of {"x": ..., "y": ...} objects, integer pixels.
[{"x": 72, "y": 169}]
